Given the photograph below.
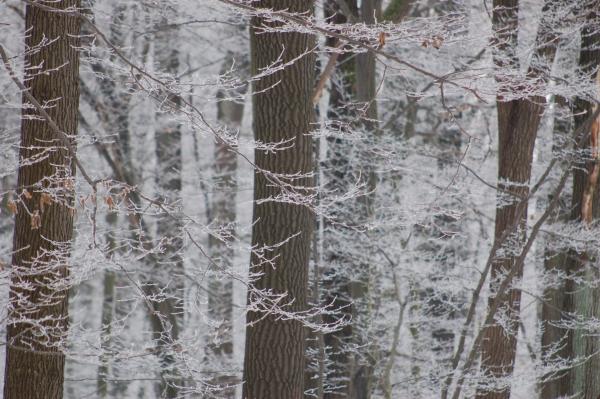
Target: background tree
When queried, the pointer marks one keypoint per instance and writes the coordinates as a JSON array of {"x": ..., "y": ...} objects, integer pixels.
[
  {"x": 580, "y": 297},
  {"x": 168, "y": 272},
  {"x": 518, "y": 121},
  {"x": 223, "y": 214}
]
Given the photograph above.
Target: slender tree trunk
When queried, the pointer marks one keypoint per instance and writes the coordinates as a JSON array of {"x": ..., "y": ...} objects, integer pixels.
[
  {"x": 518, "y": 121},
  {"x": 555, "y": 340},
  {"x": 106, "y": 320},
  {"x": 274, "y": 358},
  {"x": 346, "y": 283},
  {"x": 38, "y": 304},
  {"x": 230, "y": 111},
  {"x": 314, "y": 375},
  {"x": 364, "y": 358},
  {"x": 115, "y": 118},
  {"x": 336, "y": 174},
  {"x": 167, "y": 273}
]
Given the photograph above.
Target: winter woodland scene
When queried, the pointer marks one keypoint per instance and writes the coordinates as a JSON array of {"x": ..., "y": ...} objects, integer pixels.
[{"x": 285, "y": 199}]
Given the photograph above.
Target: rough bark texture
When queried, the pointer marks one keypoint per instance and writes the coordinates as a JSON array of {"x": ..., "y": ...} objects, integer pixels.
[
  {"x": 34, "y": 360},
  {"x": 274, "y": 358},
  {"x": 518, "y": 121}
]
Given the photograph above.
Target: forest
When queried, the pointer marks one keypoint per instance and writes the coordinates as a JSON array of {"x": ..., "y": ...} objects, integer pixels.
[{"x": 285, "y": 199}]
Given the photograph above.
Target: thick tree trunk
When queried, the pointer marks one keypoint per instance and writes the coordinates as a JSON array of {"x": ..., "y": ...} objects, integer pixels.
[
  {"x": 518, "y": 121},
  {"x": 274, "y": 358},
  {"x": 44, "y": 220}
]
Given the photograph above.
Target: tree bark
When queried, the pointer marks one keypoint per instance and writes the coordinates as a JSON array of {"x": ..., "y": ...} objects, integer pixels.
[
  {"x": 555, "y": 346},
  {"x": 274, "y": 357},
  {"x": 583, "y": 298},
  {"x": 44, "y": 221},
  {"x": 518, "y": 121}
]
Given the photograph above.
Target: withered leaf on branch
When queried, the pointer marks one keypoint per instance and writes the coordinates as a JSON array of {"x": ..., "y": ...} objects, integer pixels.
[
  {"x": 435, "y": 42},
  {"x": 12, "y": 206},
  {"x": 381, "y": 39},
  {"x": 110, "y": 202}
]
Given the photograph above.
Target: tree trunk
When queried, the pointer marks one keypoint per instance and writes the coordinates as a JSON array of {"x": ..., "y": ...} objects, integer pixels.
[
  {"x": 518, "y": 121},
  {"x": 274, "y": 357},
  {"x": 230, "y": 112},
  {"x": 114, "y": 118},
  {"x": 167, "y": 273},
  {"x": 555, "y": 346},
  {"x": 38, "y": 303},
  {"x": 336, "y": 174},
  {"x": 361, "y": 372},
  {"x": 582, "y": 286}
]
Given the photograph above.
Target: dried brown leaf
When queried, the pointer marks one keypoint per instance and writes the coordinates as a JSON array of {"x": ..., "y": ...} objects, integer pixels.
[
  {"x": 45, "y": 199},
  {"x": 12, "y": 207},
  {"x": 36, "y": 220}
]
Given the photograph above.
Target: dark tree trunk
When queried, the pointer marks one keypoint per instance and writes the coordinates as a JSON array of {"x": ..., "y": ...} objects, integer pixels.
[
  {"x": 337, "y": 172},
  {"x": 274, "y": 358},
  {"x": 582, "y": 291},
  {"x": 362, "y": 365},
  {"x": 44, "y": 219},
  {"x": 346, "y": 281},
  {"x": 555, "y": 297},
  {"x": 518, "y": 121}
]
